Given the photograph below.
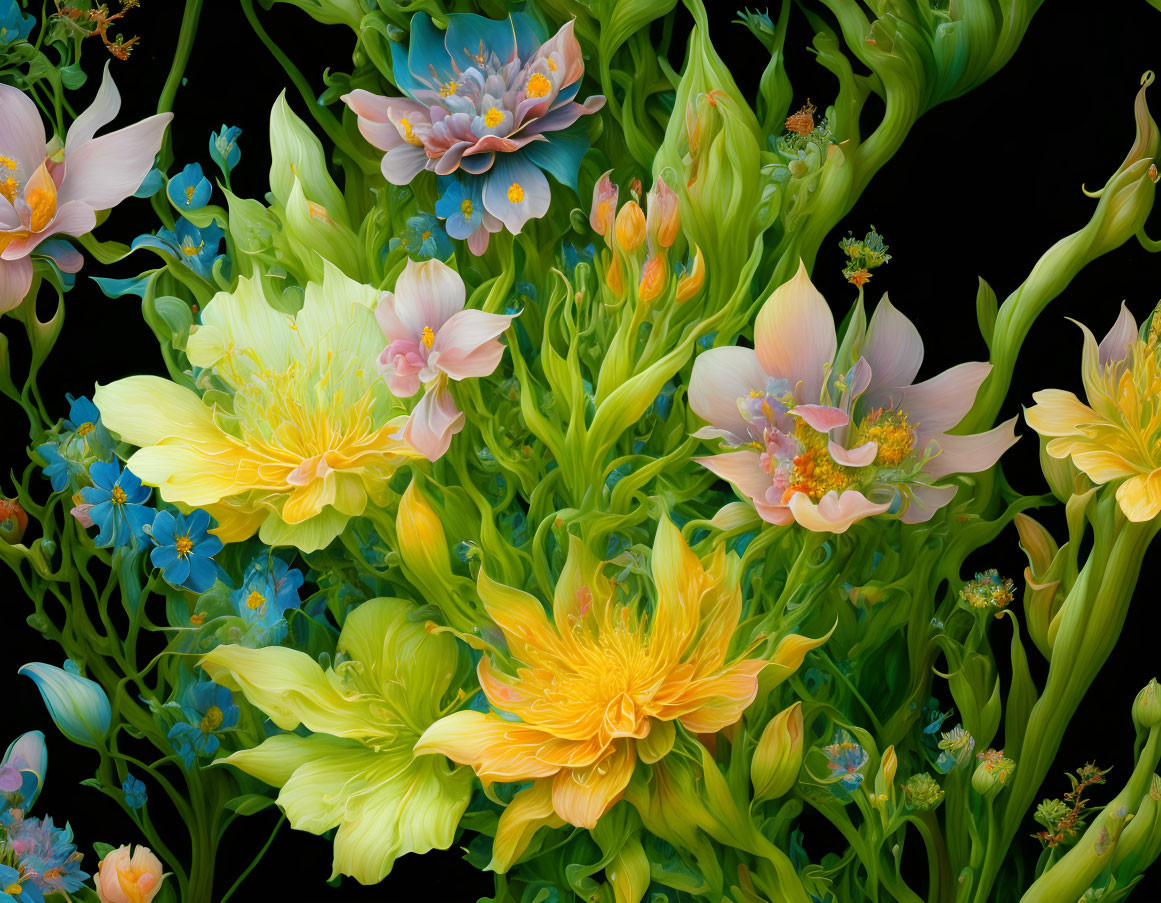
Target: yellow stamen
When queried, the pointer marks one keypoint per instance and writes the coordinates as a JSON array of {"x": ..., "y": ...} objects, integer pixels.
[
  {"x": 538, "y": 85},
  {"x": 11, "y": 889},
  {"x": 255, "y": 600},
  {"x": 189, "y": 193},
  {"x": 408, "y": 132},
  {"x": 493, "y": 118},
  {"x": 7, "y": 162},
  {"x": 467, "y": 209},
  {"x": 8, "y": 188},
  {"x": 428, "y": 336},
  {"x": 192, "y": 250},
  {"x": 198, "y": 618},
  {"x": 448, "y": 89},
  {"x": 184, "y": 546},
  {"x": 85, "y": 428},
  {"x": 212, "y": 720},
  {"x": 118, "y": 495},
  {"x": 515, "y": 193},
  {"x": 426, "y": 235},
  {"x": 551, "y": 64}
]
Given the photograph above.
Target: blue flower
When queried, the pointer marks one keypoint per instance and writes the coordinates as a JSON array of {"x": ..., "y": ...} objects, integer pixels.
[
  {"x": 208, "y": 709},
  {"x": 845, "y": 758},
  {"x": 136, "y": 795},
  {"x": 224, "y": 150},
  {"x": 424, "y": 238},
  {"x": 47, "y": 856},
  {"x": 83, "y": 440},
  {"x": 118, "y": 501},
  {"x": 189, "y": 189},
  {"x": 14, "y": 25},
  {"x": 462, "y": 206},
  {"x": 269, "y": 590},
  {"x": 10, "y": 879},
  {"x": 184, "y": 550},
  {"x": 151, "y": 184},
  {"x": 194, "y": 247}
]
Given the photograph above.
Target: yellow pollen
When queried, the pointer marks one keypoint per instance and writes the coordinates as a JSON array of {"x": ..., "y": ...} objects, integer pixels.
[
  {"x": 198, "y": 618},
  {"x": 467, "y": 209},
  {"x": 8, "y": 188},
  {"x": 255, "y": 600},
  {"x": 448, "y": 89},
  {"x": 43, "y": 204},
  {"x": 551, "y": 64},
  {"x": 428, "y": 336},
  {"x": 85, "y": 428},
  {"x": 425, "y": 236},
  {"x": 515, "y": 193},
  {"x": 7, "y": 162},
  {"x": 815, "y": 472},
  {"x": 192, "y": 250},
  {"x": 212, "y": 720},
  {"x": 493, "y": 118},
  {"x": 189, "y": 193},
  {"x": 184, "y": 546},
  {"x": 408, "y": 132},
  {"x": 894, "y": 434},
  {"x": 538, "y": 85},
  {"x": 12, "y": 889},
  {"x": 118, "y": 495}
]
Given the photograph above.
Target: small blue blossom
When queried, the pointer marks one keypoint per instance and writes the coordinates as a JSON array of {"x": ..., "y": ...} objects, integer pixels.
[
  {"x": 461, "y": 205},
  {"x": 189, "y": 189},
  {"x": 82, "y": 441},
  {"x": 14, "y": 25},
  {"x": 424, "y": 238},
  {"x": 28, "y": 893},
  {"x": 118, "y": 501},
  {"x": 845, "y": 758},
  {"x": 269, "y": 590},
  {"x": 47, "y": 856},
  {"x": 184, "y": 550},
  {"x": 224, "y": 150},
  {"x": 194, "y": 247},
  {"x": 136, "y": 795},
  {"x": 208, "y": 710}
]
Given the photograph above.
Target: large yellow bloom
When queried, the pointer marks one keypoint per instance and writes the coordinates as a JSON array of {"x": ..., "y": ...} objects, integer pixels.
[
  {"x": 1117, "y": 435},
  {"x": 297, "y": 430},
  {"x": 600, "y": 688}
]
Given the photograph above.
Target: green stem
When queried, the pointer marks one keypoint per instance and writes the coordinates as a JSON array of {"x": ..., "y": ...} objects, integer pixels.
[
  {"x": 256, "y": 860},
  {"x": 185, "y": 39}
]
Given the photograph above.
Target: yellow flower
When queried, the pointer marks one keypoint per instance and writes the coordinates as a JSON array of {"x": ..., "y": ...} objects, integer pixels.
[
  {"x": 1117, "y": 435},
  {"x": 297, "y": 431},
  {"x": 601, "y": 687}
]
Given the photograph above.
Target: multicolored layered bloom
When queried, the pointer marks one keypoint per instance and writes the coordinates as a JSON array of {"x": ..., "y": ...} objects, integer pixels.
[
  {"x": 827, "y": 443},
  {"x": 117, "y": 504},
  {"x": 1116, "y": 437},
  {"x": 46, "y": 855},
  {"x": 356, "y": 771},
  {"x": 42, "y": 195},
  {"x": 184, "y": 550},
  {"x": 578, "y": 701},
  {"x": 269, "y": 590},
  {"x": 481, "y": 101},
  {"x": 956, "y": 747},
  {"x": 129, "y": 876},
  {"x": 302, "y": 435},
  {"x": 845, "y": 759},
  {"x": 431, "y": 339},
  {"x": 22, "y": 771},
  {"x": 207, "y": 710}
]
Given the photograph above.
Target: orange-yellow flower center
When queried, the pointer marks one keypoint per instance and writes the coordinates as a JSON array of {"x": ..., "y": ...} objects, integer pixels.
[
  {"x": 515, "y": 193},
  {"x": 43, "y": 204},
  {"x": 538, "y": 85},
  {"x": 8, "y": 189},
  {"x": 198, "y": 618},
  {"x": 428, "y": 337},
  {"x": 118, "y": 495},
  {"x": 408, "y": 131},
  {"x": 189, "y": 193},
  {"x": 184, "y": 546},
  {"x": 467, "y": 209},
  {"x": 815, "y": 472},
  {"x": 448, "y": 89},
  {"x": 894, "y": 434},
  {"x": 493, "y": 118},
  {"x": 12, "y": 889},
  {"x": 255, "y": 600},
  {"x": 212, "y": 720},
  {"x": 85, "y": 428}
]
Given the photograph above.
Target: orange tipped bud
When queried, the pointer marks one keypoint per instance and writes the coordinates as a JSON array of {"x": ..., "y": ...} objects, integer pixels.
[
  {"x": 613, "y": 278},
  {"x": 663, "y": 220},
  {"x": 693, "y": 280},
  {"x": 13, "y": 521},
  {"x": 654, "y": 277},
  {"x": 630, "y": 227},
  {"x": 604, "y": 205}
]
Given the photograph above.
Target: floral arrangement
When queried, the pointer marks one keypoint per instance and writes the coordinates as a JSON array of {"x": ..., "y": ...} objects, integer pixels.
[{"x": 509, "y": 486}]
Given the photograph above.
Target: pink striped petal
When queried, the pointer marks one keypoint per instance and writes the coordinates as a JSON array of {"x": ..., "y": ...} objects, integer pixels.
[
  {"x": 15, "y": 280},
  {"x": 106, "y": 170},
  {"x": 971, "y": 454},
  {"x": 892, "y": 347},
  {"x": 466, "y": 345},
  {"x": 794, "y": 335},
  {"x": 822, "y": 417},
  {"x": 427, "y": 295},
  {"x": 859, "y": 456},
  {"x": 834, "y": 512},
  {"x": 434, "y": 421},
  {"x": 720, "y": 377},
  {"x": 937, "y": 404}
]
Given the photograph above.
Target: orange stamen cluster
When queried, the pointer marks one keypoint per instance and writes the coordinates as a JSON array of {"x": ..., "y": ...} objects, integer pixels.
[
  {"x": 815, "y": 472},
  {"x": 802, "y": 122},
  {"x": 894, "y": 434}
]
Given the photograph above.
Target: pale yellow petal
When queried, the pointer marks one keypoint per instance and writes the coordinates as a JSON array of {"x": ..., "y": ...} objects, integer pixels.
[
  {"x": 1058, "y": 413},
  {"x": 1140, "y": 496},
  {"x": 530, "y": 810}
]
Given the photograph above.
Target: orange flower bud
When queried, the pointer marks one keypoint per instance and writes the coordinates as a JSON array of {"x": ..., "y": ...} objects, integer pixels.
[
  {"x": 654, "y": 277},
  {"x": 604, "y": 205},
  {"x": 630, "y": 227},
  {"x": 693, "y": 280},
  {"x": 663, "y": 219},
  {"x": 613, "y": 278}
]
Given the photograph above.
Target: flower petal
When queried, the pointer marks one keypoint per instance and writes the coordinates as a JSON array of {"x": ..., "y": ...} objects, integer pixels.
[
  {"x": 1140, "y": 496},
  {"x": 466, "y": 344},
  {"x": 21, "y": 130},
  {"x": 720, "y": 377},
  {"x": 859, "y": 456},
  {"x": 794, "y": 335},
  {"x": 99, "y": 113},
  {"x": 937, "y": 404},
  {"x": 106, "y": 170},
  {"x": 821, "y": 417},
  {"x": 971, "y": 454},
  {"x": 744, "y": 470},
  {"x": 925, "y": 501},
  {"x": 835, "y": 512},
  {"x": 530, "y": 810},
  {"x": 1058, "y": 413},
  {"x": 15, "y": 281},
  {"x": 1120, "y": 338},
  {"x": 516, "y": 191},
  {"x": 892, "y": 347},
  {"x": 427, "y": 295},
  {"x": 433, "y": 422},
  {"x": 582, "y": 795}
]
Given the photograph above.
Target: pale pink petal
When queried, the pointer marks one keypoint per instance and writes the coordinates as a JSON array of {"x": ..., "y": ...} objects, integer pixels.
[
  {"x": 393, "y": 327},
  {"x": 744, "y": 470},
  {"x": 403, "y": 163},
  {"x": 859, "y": 456},
  {"x": 720, "y": 377},
  {"x": 794, "y": 335},
  {"x": 106, "y": 170},
  {"x": 834, "y": 512},
  {"x": 937, "y": 404},
  {"x": 1115, "y": 346},
  {"x": 971, "y": 454},
  {"x": 925, "y": 501},
  {"x": 21, "y": 131},
  {"x": 427, "y": 294},
  {"x": 74, "y": 218},
  {"x": 892, "y": 347},
  {"x": 432, "y": 424},
  {"x": 15, "y": 280},
  {"x": 565, "y": 43},
  {"x": 400, "y": 364},
  {"x": 564, "y": 115},
  {"x": 466, "y": 344},
  {"x": 100, "y": 113},
  {"x": 81, "y": 513},
  {"x": 822, "y": 417}
]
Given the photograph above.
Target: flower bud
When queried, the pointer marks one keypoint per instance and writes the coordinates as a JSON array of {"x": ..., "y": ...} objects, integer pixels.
[
  {"x": 693, "y": 279},
  {"x": 885, "y": 779},
  {"x": 654, "y": 278},
  {"x": 791, "y": 652},
  {"x": 1147, "y": 706},
  {"x": 24, "y": 765},
  {"x": 315, "y": 236},
  {"x": 992, "y": 772},
  {"x": 663, "y": 220},
  {"x": 613, "y": 278},
  {"x": 922, "y": 793},
  {"x": 628, "y": 872},
  {"x": 77, "y": 705},
  {"x": 604, "y": 207},
  {"x": 13, "y": 521},
  {"x": 422, "y": 543},
  {"x": 125, "y": 877},
  {"x": 630, "y": 227},
  {"x": 297, "y": 156},
  {"x": 778, "y": 756}
]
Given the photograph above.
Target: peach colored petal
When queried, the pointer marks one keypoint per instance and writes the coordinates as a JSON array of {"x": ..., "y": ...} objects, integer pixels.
[
  {"x": 706, "y": 706},
  {"x": 859, "y": 456},
  {"x": 522, "y": 618},
  {"x": 834, "y": 512},
  {"x": 971, "y": 454},
  {"x": 794, "y": 335},
  {"x": 744, "y": 470},
  {"x": 466, "y": 346},
  {"x": 892, "y": 347},
  {"x": 937, "y": 404},
  {"x": 720, "y": 377},
  {"x": 821, "y": 417}
]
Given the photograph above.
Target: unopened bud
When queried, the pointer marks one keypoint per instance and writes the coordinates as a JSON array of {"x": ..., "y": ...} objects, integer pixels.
[
  {"x": 663, "y": 221},
  {"x": 654, "y": 278},
  {"x": 694, "y": 278},
  {"x": 1147, "y": 706},
  {"x": 922, "y": 793},
  {"x": 604, "y": 205},
  {"x": 778, "y": 757},
  {"x": 13, "y": 521},
  {"x": 992, "y": 772},
  {"x": 630, "y": 227},
  {"x": 422, "y": 543}
]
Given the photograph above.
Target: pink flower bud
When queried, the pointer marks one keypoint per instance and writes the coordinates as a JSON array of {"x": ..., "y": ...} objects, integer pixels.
[
  {"x": 125, "y": 878},
  {"x": 663, "y": 220},
  {"x": 604, "y": 205}
]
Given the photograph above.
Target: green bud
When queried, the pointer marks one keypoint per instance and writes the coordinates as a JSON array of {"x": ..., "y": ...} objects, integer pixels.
[
  {"x": 297, "y": 155},
  {"x": 992, "y": 773},
  {"x": 922, "y": 793},
  {"x": 1147, "y": 706},
  {"x": 315, "y": 236},
  {"x": 778, "y": 756}
]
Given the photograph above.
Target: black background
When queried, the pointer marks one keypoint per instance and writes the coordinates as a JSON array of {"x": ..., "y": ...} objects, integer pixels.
[{"x": 982, "y": 186}]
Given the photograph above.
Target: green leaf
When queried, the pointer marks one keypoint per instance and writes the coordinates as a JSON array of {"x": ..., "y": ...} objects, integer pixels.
[
  {"x": 249, "y": 803},
  {"x": 986, "y": 307}
]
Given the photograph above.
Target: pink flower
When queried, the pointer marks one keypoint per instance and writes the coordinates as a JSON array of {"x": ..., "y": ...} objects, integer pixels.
[
  {"x": 431, "y": 339},
  {"x": 122, "y": 878},
  {"x": 825, "y": 441},
  {"x": 43, "y": 194}
]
